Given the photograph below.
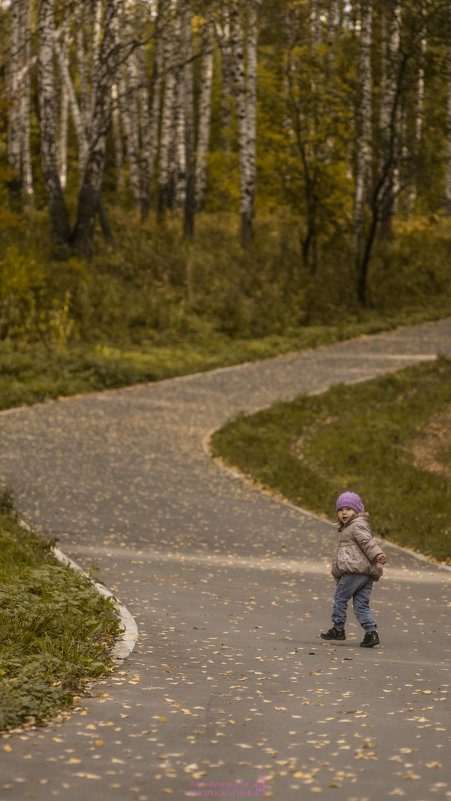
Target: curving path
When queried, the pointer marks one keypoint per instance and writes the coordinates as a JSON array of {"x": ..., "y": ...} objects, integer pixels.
[{"x": 228, "y": 681}]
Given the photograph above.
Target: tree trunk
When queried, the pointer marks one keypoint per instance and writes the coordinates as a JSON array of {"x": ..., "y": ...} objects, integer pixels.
[
  {"x": 14, "y": 130},
  {"x": 178, "y": 145},
  {"x": 59, "y": 218},
  {"x": 25, "y": 106},
  {"x": 203, "y": 133},
  {"x": 131, "y": 85},
  {"x": 150, "y": 125},
  {"x": 227, "y": 89},
  {"x": 77, "y": 117},
  {"x": 363, "y": 142},
  {"x": 90, "y": 195},
  {"x": 62, "y": 138},
  {"x": 167, "y": 134},
  {"x": 117, "y": 138},
  {"x": 447, "y": 208},
  {"x": 315, "y": 22},
  {"x": 245, "y": 107},
  {"x": 388, "y": 100},
  {"x": 18, "y": 86},
  {"x": 81, "y": 9},
  {"x": 252, "y": 40},
  {"x": 188, "y": 83}
]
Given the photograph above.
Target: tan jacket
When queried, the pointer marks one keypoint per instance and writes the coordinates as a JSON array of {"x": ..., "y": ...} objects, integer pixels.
[{"x": 357, "y": 550}]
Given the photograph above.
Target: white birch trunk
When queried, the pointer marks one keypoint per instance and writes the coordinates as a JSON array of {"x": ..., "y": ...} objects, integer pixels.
[
  {"x": 131, "y": 101},
  {"x": 363, "y": 144},
  {"x": 90, "y": 195},
  {"x": 391, "y": 119},
  {"x": 96, "y": 38},
  {"x": 144, "y": 118},
  {"x": 62, "y": 138},
  {"x": 117, "y": 138},
  {"x": 82, "y": 60},
  {"x": 179, "y": 164},
  {"x": 151, "y": 127},
  {"x": 18, "y": 86},
  {"x": 203, "y": 133},
  {"x": 25, "y": 106},
  {"x": 167, "y": 134},
  {"x": 315, "y": 22},
  {"x": 77, "y": 117},
  {"x": 245, "y": 108},
  {"x": 14, "y": 130},
  {"x": 419, "y": 111},
  {"x": 227, "y": 88},
  {"x": 47, "y": 99},
  {"x": 188, "y": 88},
  {"x": 252, "y": 41}
]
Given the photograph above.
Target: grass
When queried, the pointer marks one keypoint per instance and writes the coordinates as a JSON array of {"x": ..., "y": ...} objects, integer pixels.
[
  {"x": 55, "y": 629},
  {"x": 155, "y": 306},
  {"x": 358, "y": 437},
  {"x": 33, "y": 373}
]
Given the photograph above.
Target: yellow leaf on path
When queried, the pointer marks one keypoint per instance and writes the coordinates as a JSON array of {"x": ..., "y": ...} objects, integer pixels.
[{"x": 163, "y": 719}]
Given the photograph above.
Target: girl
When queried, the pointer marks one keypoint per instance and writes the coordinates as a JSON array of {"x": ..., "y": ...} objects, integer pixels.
[{"x": 357, "y": 562}]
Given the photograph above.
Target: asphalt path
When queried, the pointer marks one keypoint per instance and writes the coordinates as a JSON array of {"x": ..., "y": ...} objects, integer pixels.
[{"x": 229, "y": 690}]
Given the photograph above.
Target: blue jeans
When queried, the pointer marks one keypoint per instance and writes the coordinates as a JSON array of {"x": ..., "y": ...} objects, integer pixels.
[{"x": 358, "y": 587}]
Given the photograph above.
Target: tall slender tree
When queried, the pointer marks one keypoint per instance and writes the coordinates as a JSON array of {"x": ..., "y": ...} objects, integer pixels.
[
  {"x": 59, "y": 218},
  {"x": 203, "y": 134},
  {"x": 363, "y": 126},
  {"x": 390, "y": 127},
  {"x": 447, "y": 208},
  {"x": 245, "y": 97}
]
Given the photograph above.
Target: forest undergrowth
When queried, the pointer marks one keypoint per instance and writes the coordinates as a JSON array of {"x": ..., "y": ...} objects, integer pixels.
[{"x": 155, "y": 305}]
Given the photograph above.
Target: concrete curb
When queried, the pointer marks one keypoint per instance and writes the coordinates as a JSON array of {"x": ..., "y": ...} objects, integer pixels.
[{"x": 127, "y": 641}]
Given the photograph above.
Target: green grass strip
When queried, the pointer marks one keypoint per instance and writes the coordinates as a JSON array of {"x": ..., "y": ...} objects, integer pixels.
[
  {"x": 362, "y": 437},
  {"x": 32, "y": 373},
  {"x": 55, "y": 628}
]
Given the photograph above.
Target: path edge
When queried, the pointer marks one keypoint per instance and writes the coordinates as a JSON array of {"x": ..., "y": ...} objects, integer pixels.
[
  {"x": 238, "y": 475},
  {"x": 125, "y": 644}
]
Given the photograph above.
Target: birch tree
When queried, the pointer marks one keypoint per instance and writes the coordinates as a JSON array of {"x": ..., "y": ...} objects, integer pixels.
[
  {"x": 390, "y": 126},
  {"x": 245, "y": 97},
  {"x": 18, "y": 83},
  {"x": 447, "y": 208},
  {"x": 188, "y": 85},
  {"x": 203, "y": 132},
  {"x": 59, "y": 218},
  {"x": 167, "y": 133},
  {"x": 418, "y": 110},
  {"x": 90, "y": 196},
  {"x": 363, "y": 140},
  {"x": 129, "y": 89}
]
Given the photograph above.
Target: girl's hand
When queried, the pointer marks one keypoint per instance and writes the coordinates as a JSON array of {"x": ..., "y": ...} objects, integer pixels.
[{"x": 381, "y": 558}]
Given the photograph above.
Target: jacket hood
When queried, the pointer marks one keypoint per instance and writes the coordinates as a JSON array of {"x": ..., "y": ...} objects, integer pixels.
[{"x": 363, "y": 515}]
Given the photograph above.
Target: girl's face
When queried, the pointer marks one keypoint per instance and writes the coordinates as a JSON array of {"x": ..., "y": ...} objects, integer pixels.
[{"x": 345, "y": 514}]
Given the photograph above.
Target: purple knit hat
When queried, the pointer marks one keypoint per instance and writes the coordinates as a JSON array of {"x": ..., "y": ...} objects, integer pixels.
[{"x": 350, "y": 499}]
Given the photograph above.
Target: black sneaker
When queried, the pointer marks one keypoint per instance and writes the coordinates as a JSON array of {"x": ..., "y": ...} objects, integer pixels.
[
  {"x": 334, "y": 634},
  {"x": 370, "y": 639}
]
